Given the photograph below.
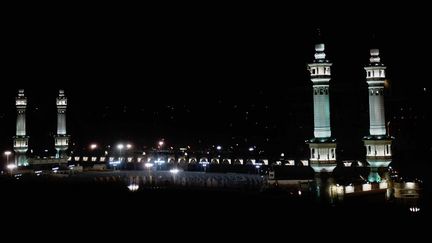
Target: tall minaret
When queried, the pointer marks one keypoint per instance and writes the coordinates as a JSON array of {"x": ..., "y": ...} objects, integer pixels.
[
  {"x": 322, "y": 146},
  {"x": 21, "y": 139},
  {"x": 378, "y": 143},
  {"x": 61, "y": 139}
]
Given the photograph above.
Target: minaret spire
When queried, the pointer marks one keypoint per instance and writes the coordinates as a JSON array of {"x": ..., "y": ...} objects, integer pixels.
[
  {"x": 61, "y": 139},
  {"x": 322, "y": 146},
  {"x": 21, "y": 139},
  {"x": 378, "y": 143}
]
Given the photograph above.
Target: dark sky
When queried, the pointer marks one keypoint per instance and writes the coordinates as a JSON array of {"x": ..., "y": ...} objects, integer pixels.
[{"x": 205, "y": 77}]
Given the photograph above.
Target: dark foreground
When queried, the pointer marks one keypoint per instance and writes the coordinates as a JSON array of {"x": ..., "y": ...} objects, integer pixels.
[{"x": 94, "y": 205}]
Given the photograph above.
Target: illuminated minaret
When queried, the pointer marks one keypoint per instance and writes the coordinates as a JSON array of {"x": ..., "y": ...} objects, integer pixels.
[
  {"x": 61, "y": 139},
  {"x": 378, "y": 143},
  {"x": 322, "y": 146},
  {"x": 21, "y": 139}
]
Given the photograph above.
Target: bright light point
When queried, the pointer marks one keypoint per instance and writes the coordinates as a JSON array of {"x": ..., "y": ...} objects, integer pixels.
[
  {"x": 282, "y": 154},
  {"x": 7, "y": 153},
  {"x": 174, "y": 171},
  {"x": 161, "y": 143},
  {"x": 11, "y": 166},
  {"x": 120, "y": 146},
  {"x": 299, "y": 193},
  {"x": 128, "y": 146},
  {"x": 219, "y": 147},
  {"x": 133, "y": 187},
  {"x": 115, "y": 163},
  {"x": 148, "y": 165},
  {"x": 251, "y": 149},
  {"x": 185, "y": 154},
  {"x": 414, "y": 209},
  {"x": 93, "y": 146}
]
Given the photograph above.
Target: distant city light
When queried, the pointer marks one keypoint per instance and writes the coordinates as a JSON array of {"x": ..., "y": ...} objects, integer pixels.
[
  {"x": 115, "y": 163},
  {"x": 93, "y": 146},
  {"x": 251, "y": 149},
  {"x": 133, "y": 187},
  {"x": 11, "y": 166},
  {"x": 414, "y": 209},
  {"x": 128, "y": 146},
  {"x": 282, "y": 154},
  {"x": 219, "y": 147},
  {"x": 120, "y": 146},
  {"x": 148, "y": 165},
  {"x": 174, "y": 171},
  {"x": 161, "y": 143},
  {"x": 159, "y": 161},
  {"x": 7, "y": 153}
]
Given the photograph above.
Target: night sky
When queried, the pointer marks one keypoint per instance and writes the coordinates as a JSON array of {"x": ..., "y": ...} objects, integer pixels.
[{"x": 210, "y": 77}]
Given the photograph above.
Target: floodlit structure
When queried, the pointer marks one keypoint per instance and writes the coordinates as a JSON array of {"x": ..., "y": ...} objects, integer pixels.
[
  {"x": 322, "y": 146},
  {"x": 61, "y": 139},
  {"x": 21, "y": 139},
  {"x": 378, "y": 143}
]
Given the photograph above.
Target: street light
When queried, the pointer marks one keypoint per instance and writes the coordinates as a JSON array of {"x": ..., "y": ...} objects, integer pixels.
[
  {"x": 7, "y": 153},
  {"x": 120, "y": 147},
  {"x": 128, "y": 146},
  {"x": 159, "y": 162},
  {"x": 219, "y": 147},
  {"x": 258, "y": 166},
  {"x": 115, "y": 163},
  {"x": 11, "y": 167},
  {"x": 161, "y": 143},
  {"x": 148, "y": 165},
  {"x": 174, "y": 171},
  {"x": 204, "y": 165},
  {"x": 93, "y": 146}
]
